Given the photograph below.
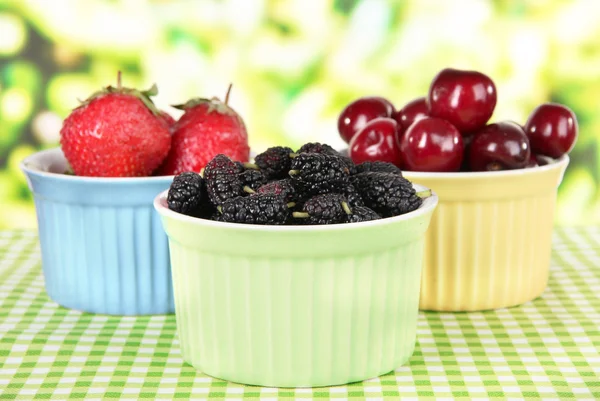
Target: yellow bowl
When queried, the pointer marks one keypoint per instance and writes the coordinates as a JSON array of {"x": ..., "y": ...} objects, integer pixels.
[{"x": 489, "y": 242}]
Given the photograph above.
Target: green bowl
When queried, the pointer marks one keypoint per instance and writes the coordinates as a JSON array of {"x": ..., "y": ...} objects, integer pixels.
[{"x": 296, "y": 306}]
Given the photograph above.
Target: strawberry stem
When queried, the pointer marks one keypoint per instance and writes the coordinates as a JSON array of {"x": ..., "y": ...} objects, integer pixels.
[
  {"x": 119, "y": 86},
  {"x": 227, "y": 94}
]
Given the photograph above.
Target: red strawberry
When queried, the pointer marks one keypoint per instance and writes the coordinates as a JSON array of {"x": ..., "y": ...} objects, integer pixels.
[
  {"x": 207, "y": 128},
  {"x": 167, "y": 118},
  {"x": 115, "y": 133}
]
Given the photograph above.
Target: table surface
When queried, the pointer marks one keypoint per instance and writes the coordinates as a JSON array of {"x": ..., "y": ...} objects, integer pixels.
[{"x": 548, "y": 348}]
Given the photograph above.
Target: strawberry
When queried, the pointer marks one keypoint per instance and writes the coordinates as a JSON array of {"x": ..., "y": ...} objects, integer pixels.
[
  {"x": 167, "y": 118},
  {"x": 207, "y": 128},
  {"x": 115, "y": 133}
]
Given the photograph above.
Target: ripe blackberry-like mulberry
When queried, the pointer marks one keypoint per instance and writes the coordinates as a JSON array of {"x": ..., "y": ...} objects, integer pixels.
[
  {"x": 362, "y": 213},
  {"x": 222, "y": 179},
  {"x": 252, "y": 179},
  {"x": 282, "y": 188},
  {"x": 378, "y": 167},
  {"x": 324, "y": 209},
  {"x": 353, "y": 196},
  {"x": 316, "y": 147},
  {"x": 387, "y": 194},
  {"x": 322, "y": 148},
  {"x": 186, "y": 193},
  {"x": 255, "y": 209},
  {"x": 310, "y": 169},
  {"x": 349, "y": 163},
  {"x": 304, "y": 192},
  {"x": 240, "y": 167},
  {"x": 275, "y": 162}
]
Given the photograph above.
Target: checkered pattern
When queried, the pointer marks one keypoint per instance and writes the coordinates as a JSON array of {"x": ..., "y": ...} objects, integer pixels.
[{"x": 547, "y": 349}]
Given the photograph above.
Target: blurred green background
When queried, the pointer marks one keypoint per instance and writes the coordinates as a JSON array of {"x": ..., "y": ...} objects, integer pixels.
[{"x": 294, "y": 66}]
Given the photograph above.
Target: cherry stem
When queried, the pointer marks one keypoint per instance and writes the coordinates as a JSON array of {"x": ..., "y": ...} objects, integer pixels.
[
  {"x": 119, "y": 80},
  {"x": 494, "y": 166},
  {"x": 227, "y": 94}
]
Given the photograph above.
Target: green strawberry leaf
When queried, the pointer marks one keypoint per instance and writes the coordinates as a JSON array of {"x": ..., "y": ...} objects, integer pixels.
[{"x": 144, "y": 96}]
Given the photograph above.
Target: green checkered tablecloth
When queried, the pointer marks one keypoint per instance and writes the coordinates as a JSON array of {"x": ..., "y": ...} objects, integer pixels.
[{"x": 548, "y": 348}]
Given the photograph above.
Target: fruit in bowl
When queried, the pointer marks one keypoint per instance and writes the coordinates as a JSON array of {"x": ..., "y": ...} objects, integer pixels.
[
  {"x": 281, "y": 244},
  {"x": 443, "y": 150},
  {"x": 552, "y": 130},
  {"x": 292, "y": 293},
  {"x": 207, "y": 127},
  {"x": 499, "y": 146},
  {"x": 314, "y": 185},
  {"x": 376, "y": 141},
  {"x": 466, "y": 99},
  {"x": 103, "y": 247},
  {"x": 358, "y": 113},
  {"x": 457, "y": 110},
  {"x": 489, "y": 244},
  {"x": 116, "y": 132}
]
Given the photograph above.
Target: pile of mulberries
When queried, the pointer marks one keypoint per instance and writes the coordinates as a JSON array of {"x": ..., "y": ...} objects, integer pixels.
[{"x": 313, "y": 185}]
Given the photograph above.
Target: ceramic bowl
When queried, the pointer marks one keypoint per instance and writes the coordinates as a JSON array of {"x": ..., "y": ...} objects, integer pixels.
[
  {"x": 296, "y": 306},
  {"x": 103, "y": 247},
  {"x": 490, "y": 239}
]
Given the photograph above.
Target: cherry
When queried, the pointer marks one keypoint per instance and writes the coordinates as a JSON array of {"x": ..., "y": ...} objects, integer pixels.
[
  {"x": 376, "y": 142},
  {"x": 533, "y": 162},
  {"x": 552, "y": 130},
  {"x": 467, "y": 145},
  {"x": 500, "y": 146},
  {"x": 465, "y": 98},
  {"x": 358, "y": 113},
  {"x": 412, "y": 111},
  {"x": 432, "y": 144},
  {"x": 390, "y": 107}
]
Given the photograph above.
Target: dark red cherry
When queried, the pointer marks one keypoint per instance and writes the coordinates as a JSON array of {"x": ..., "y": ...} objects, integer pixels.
[
  {"x": 376, "y": 142},
  {"x": 358, "y": 113},
  {"x": 552, "y": 130},
  {"x": 412, "y": 111},
  {"x": 466, "y": 146},
  {"x": 465, "y": 98},
  {"x": 533, "y": 162},
  {"x": 500, "y": 146},
  {"x": 432, "y": 144},
  {"x": 390, "y": 107}
]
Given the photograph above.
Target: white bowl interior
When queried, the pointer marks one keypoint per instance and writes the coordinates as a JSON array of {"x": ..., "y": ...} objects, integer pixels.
[{"x": 50, "y": 161}]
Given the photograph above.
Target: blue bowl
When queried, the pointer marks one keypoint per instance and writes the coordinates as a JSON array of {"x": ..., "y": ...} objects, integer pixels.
[{"x": 103, "y": 246}]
